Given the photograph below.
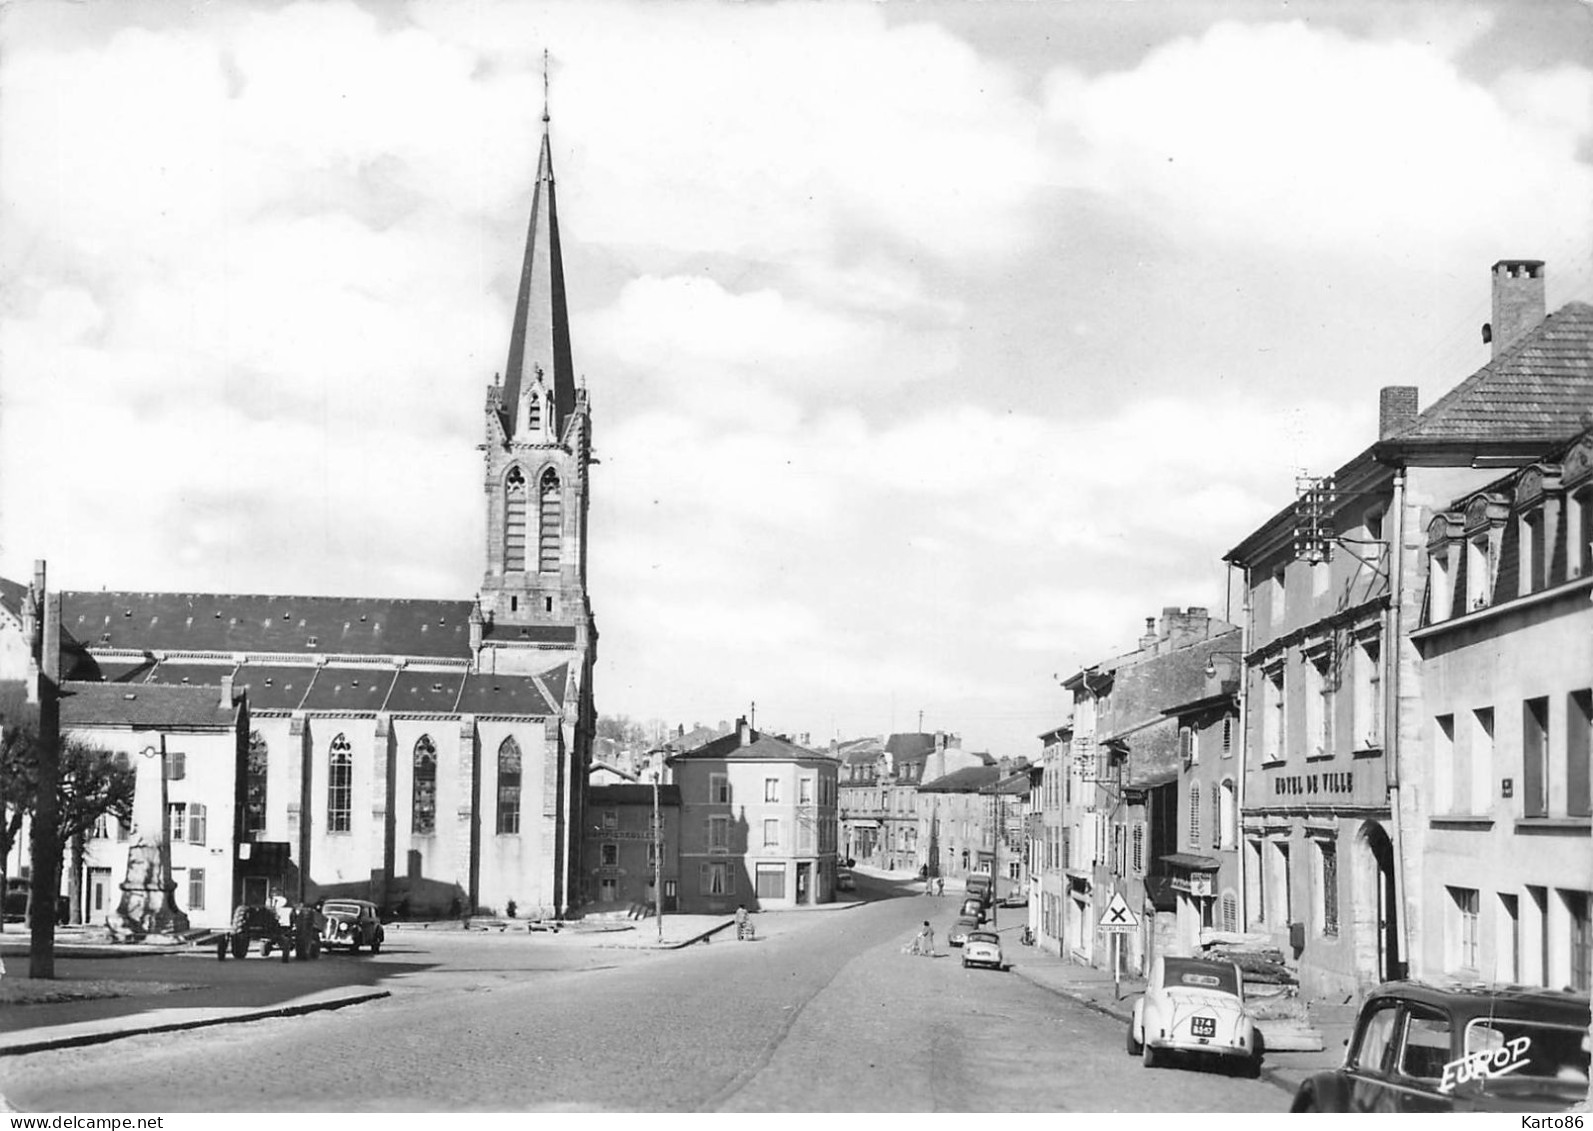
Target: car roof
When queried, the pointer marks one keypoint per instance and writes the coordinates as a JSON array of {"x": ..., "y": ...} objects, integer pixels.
[{"x": 1482, "y": 1000}]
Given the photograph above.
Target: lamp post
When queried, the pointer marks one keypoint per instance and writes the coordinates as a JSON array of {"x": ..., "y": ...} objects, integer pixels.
[{"x": 658, "y": 862}]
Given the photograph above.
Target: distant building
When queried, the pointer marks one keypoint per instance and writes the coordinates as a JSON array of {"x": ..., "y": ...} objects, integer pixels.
[
  {"x": 1059, "y": 884},
  {"x": 759, "y": 823},
  {"x": 622, "y": 850},
  {"x": 862, "y": 805},
  {"x": 953, "y": 815}
]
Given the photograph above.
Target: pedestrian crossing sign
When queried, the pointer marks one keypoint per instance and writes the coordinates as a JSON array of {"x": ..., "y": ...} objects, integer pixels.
[{"x": 1117, "y": 916}]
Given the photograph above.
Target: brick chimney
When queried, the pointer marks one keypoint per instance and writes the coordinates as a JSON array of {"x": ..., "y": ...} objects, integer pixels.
[
  {"x": 226, "y": 691},
  {"x": 1396, "y": 409},
  {"x": 1151, "y": 636},
  {"x": 1518, "y": 302},
  {"x": 743, "y": 731}
]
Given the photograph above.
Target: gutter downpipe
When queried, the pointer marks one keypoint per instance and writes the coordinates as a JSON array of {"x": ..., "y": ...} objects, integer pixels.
[
  {"x": 1392, "y": 654},
  {"x": 1241, "y": 850}
]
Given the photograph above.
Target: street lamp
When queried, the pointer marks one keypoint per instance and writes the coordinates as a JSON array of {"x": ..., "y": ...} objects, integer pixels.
[{"x": 658, "y": 862}]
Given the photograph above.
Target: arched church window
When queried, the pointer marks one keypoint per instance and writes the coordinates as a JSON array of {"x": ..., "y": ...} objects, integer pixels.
[
  {"x": 514, "y": 520},
  {"x": 254, "y": 785},
  {"x": 552, "y": 520},
  {"x": 423, "y": 820},
  {"x": 340, "y": 787},
  {"x": 509, "y": 787}
]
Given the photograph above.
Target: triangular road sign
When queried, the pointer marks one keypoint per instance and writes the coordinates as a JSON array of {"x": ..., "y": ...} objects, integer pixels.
[{"x": 1117, "y": 915}]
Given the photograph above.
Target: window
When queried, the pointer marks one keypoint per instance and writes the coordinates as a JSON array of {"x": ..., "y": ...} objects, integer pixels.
[
  {"x": 1227, "y": 736},
  {"x": 718, "y": 834},
  {"x": 176, "y": 821},
  {"x": 102, "y": 827},
  {"x": 652, "y": 854},
  {"x": 718, "y": 789},
  {"x": 514, "y": 494},
  {"x": 196, "y": 823},
  {"x": 1440, "y": 583},
  {"x": 771, "y": 881},
  {"x": 1576, "y": 908},
  {"x": 1283, "y": 882},
  {"x": 610, "y": 820},
  {"x": 1272, "y": 716},
  {"x": 1535, "y": 757},
  {"x": 1230, "y": 912},
  {"x": 1328, "y": 882},
  {"x": 509, "y": 787},
  {"x": 1507, "y": 961},
  {"x": 1462, "y": 929},
  {"x": 1444, "y": 764},
  {"x": 1367, "y": 701},
  {"x": 552, "y": 534},
  {"x": 771, "y": 789},
  {"x": 1479, "y": 571},
  {"x": 1535, "y": 952},
  {"x": 607, "y": 889},
  {"x": 1578, "y": 753},
  {"x": 1229, "y": 817},
  {"x": 1276, "y": 591},
  {"x": 805, "y": 791},
  {"x": 1139, "y": 848},
  {"x": 1376, "y": 1037},
  {"x": 1186, "y": 746},
  {"x": 1482, "y": 772},
  {"x": 1534, "y": 570},
  {"x": 610, "y": 858},
  {"x": 1425, "y": 1049},
  {"x": 423, "y": 794},
  {"x": 1319, "y": 705},
  {"x": 771, "y": 832},
  {"x": 254, "y": 785},
  {"x": 340, "y": 786},
  {"x": 717, "y": 878},
  {"x": 1255, "y": 882},
  {"x": 1216, "y": 815},
  {"x": 1194, "y": 815},
  {"x": 196, "y": 889}
]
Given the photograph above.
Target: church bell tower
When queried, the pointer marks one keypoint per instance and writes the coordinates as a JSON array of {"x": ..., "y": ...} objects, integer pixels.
[{"x": 538, "y": 449}]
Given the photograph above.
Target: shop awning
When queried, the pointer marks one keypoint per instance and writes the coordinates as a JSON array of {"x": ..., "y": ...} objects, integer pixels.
[{"x": 1191, "y": 862}]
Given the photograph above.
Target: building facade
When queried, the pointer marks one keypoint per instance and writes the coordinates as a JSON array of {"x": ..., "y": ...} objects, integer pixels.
[
  {"x": 626, "y": 852},
  {"x": 759, "y": 824}
]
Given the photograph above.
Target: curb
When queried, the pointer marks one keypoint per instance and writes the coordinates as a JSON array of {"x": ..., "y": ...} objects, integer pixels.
[{"x": 77, "y": 1040}]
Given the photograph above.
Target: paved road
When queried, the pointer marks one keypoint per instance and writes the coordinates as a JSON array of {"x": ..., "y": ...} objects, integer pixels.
[{"x": 822, "y": 1013}]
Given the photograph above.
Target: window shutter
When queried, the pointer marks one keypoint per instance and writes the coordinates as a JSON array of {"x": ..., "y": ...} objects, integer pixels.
[
  {"x": 176, "y": 765},
  {"x": 196, "y": 823},
  {"x": 704, "y": 879},
  {"x": 730, "y": 880}
]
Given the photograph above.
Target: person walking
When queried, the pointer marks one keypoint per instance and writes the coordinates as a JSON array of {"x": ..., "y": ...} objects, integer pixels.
[
  {"x": 926, "y": 940},
  {"x": 940, "y": 885}
]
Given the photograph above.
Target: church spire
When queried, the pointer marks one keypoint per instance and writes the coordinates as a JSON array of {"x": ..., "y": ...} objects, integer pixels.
[{"x": 540, "y": 342}]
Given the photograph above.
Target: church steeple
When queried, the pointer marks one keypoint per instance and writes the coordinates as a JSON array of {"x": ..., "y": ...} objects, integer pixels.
[{"x": 540, "y": 340}]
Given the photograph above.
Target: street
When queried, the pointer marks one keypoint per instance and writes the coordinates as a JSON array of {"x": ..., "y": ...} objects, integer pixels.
[{"x": 822, "y": 1013}]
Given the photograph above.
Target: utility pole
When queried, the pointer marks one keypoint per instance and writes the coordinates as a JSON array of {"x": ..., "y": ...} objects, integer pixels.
[
  {"x": 658, "y": 862},
  {"x": 46, "y": 843},
  {"x": 995, "y": 859}
]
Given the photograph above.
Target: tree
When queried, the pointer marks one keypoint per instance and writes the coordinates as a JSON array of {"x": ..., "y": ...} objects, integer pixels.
[{"x": 93, "y": 784}]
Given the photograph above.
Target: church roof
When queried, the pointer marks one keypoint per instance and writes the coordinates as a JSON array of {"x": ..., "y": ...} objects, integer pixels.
[
  {"x": 230, "y": 622},
  {"x": 114, "y": 704},
  {"x": 541, "y": 335}
]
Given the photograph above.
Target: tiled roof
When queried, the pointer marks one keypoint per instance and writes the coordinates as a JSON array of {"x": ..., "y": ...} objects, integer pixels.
[
  {"x": 271, "y": 687},
  {"x": 425, "y": 693},
  {"x": 763, "y": 747},
  {"x": 970, "y": 779},
  {"x": 910, "y": 745},
  {"x": 1016, "y": 782},
  {"x": 12, "y": 594},
  {"x": 226, "y": 622},
  {"x": 504, "y": 695},
  {"x": 350, "y": 690},
  {"x": 598, "y": 796},
  {"x": 1540, "y": 388},
  {"x": 143, "y": 705}
]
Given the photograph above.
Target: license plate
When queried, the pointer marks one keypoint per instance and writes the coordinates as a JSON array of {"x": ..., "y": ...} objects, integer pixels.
[{"x": 1203, "y": 1026}]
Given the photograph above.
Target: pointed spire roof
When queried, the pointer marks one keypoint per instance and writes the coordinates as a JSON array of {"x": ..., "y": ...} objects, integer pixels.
[{"x": 541, "y": 335}]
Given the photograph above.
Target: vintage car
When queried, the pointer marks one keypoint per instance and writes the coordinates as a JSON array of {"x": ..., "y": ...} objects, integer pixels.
[
  {"x": 1420, "y": 1047},
  {"x": 352, "y": 923},
  {"x": 1195, "y": 1006},
  {"x": 975, "y": 908},
  {"x": 960, "y": 930},
  {"x": 845, "y": 880},
  {"x": 983, "y": 948}
]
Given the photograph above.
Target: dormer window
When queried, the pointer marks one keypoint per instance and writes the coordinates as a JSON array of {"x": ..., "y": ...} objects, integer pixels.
[
  {"x": 1479, "y": 572},
  {"x": 1534, "y": 568}
]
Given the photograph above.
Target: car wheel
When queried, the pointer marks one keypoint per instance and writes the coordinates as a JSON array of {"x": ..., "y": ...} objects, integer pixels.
[
  {"x": 965, "y": 963},
  {"x": 1153, "y": 1058},
  {"x": 376, "y": 945},
  {"x": 240, "y": 945},
  {"x": 1304, "y": 1101},
  {"x": 1134, "y": 1047},
  {"x": 354, "y": 946}
]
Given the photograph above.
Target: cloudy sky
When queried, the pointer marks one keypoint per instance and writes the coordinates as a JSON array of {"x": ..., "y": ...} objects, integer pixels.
[{"x": 932, "y": 346}]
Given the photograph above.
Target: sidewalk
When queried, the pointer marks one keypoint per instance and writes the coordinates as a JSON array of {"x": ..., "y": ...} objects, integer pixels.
[{"x": 1093, "y": 988}]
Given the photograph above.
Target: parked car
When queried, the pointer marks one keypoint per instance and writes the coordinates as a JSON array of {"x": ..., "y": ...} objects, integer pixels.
[
  {"x": 1197, "y": 1006},
  {"x": 845, "y": 880},
  {"x": 1015, "y": 898},
  {"x": 352, "y": 923},
  {"x": 983, "y": 948},
  {"x": 1420, "y": 1047},
  {"x": 960, "y": 930},
  {"x": 979, "y": 884},
  {"x": 975, "y": 908}
]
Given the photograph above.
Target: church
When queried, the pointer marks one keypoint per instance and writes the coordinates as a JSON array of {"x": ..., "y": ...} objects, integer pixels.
[{"x": 429, "y": 755}]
